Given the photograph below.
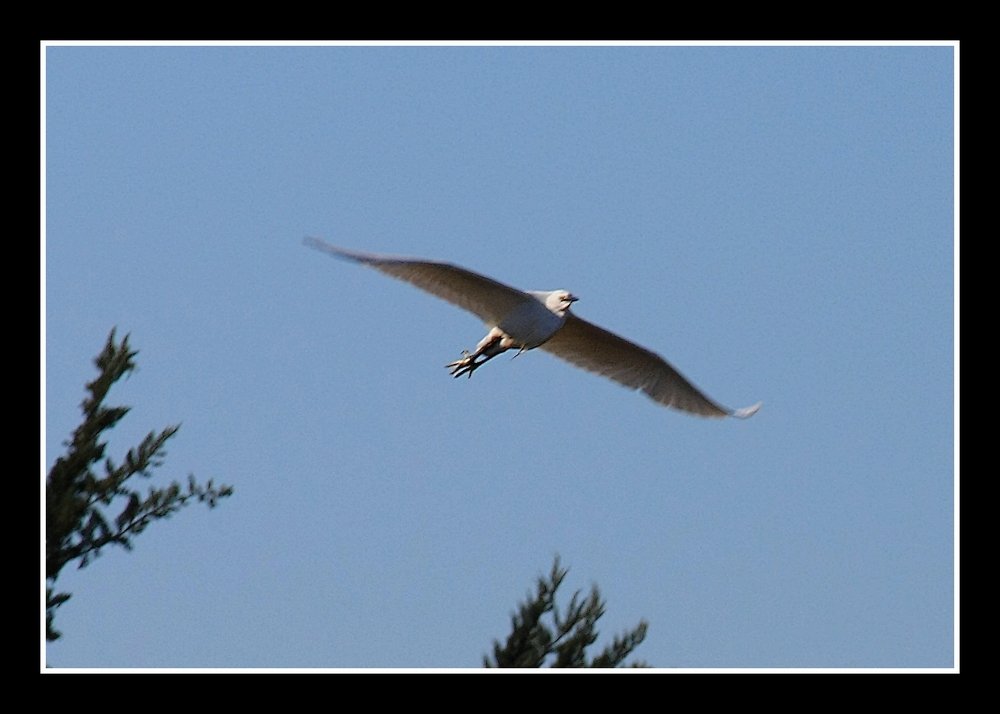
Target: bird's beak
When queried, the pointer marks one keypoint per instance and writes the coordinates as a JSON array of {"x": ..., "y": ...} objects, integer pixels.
[{"x": 571, "y": 298}]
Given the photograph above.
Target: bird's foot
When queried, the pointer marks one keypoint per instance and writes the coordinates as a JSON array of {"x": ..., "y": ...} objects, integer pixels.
[{"x": 466, "y": 365}]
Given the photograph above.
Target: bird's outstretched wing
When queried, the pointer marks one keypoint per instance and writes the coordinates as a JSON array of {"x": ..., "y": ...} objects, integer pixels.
[
  {"x": 596, "y": 350},
  {"x": 489, "y": 300}
]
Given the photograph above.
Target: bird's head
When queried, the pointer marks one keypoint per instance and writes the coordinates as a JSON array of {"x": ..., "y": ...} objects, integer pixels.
[{"x": 559, "y": 301}]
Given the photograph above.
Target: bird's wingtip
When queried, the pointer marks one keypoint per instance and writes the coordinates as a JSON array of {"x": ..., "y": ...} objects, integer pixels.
[
  {"x": 747, "y": 412},
  {"x": 320, "y": 244}
]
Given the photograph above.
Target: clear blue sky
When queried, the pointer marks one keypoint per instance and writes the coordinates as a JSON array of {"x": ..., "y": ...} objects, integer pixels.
[{"x": 777, "y": 222}]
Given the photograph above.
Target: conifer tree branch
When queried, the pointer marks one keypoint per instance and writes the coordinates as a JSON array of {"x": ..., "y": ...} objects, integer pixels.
[
  {"x": 76, "y": 525},
  {"x": 532, "y": 642}
]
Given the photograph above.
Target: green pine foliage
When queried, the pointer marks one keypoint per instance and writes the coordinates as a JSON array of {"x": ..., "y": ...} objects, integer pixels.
[
  {"x": 534, "y": 643},
  {"x": 78, "y": 497}
]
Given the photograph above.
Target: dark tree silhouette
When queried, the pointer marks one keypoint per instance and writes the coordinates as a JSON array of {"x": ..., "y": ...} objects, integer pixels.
[
  {"x": 76, "y": 498},
  {"x": 532, "y": 642}
]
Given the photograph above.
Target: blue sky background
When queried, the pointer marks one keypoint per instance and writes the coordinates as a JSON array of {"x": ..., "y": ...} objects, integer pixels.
[{"x": 777, "y": 222}]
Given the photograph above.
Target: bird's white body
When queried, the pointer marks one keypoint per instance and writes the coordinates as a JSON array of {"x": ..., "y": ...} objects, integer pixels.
[
  {"x": 533, "y": 322},
  {"x": 524, "y": 320}
]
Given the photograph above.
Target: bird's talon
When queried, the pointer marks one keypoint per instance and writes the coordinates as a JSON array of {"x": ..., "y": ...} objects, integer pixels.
[{"x": 466, "y": 365}]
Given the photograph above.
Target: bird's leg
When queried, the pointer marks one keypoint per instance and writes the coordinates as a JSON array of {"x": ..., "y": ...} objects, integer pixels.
[{"x": 496, "y": 342}]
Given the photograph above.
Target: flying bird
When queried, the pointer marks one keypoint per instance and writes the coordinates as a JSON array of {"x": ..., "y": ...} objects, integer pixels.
[{"x": 524, "y": 320}]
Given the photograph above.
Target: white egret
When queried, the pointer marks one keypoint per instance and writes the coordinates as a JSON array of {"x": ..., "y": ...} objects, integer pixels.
[{"x": 524, "y": 320}]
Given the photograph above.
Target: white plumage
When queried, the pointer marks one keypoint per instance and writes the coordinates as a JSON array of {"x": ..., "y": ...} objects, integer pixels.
[{"x": 524, "y": 320}]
